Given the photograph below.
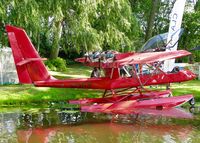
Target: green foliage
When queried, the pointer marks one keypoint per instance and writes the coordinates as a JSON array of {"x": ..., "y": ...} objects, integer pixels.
[
  {"x": 57, "y": 64},
  {"x": 70, "y": 62},
  {"x": 74, "y": 25},
  {"x": 77, "y": 26},
  {"x": 191, "y": 35},
  {"x": 100, "y": 25}
]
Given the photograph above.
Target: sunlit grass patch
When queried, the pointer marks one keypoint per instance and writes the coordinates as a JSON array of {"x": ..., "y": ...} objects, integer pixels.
[
  {"x": 79, "y": 69},
  {"x": 28, "y": 94},
  {"x": 73, "y": 71},
  {"x": 190, "y": 87}
]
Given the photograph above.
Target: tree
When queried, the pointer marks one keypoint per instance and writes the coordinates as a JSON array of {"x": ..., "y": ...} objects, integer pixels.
[
  {"x": 101, "y": 25},
  {"x": 78, "y": 26},
  {"x": 150, "y": 23},
  {"x": 191, "y": 35}
]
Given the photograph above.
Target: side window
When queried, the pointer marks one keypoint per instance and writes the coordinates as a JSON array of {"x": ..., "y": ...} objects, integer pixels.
[{"x": 126, "y": 71}]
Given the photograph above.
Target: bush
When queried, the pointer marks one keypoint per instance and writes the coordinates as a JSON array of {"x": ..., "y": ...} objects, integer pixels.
[
  {"x": 57, "y": 64},
  {"x": 70, "y": 62}
]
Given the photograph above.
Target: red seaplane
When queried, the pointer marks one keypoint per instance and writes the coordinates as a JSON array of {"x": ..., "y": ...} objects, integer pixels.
[{"x": 122, "y": 94}]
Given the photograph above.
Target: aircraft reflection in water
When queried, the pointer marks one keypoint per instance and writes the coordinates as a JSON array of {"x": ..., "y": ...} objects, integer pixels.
[{"x": 56, "y": 125}]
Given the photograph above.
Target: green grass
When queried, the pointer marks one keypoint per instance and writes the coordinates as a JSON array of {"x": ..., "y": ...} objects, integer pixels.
[
  {"x": 74, "y": 71},
  {"x": 189, "y": 87},
  {"x": 28, "y": 94}
]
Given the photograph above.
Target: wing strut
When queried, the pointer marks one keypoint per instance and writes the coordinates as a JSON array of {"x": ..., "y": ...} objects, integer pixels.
[
  {"x": 104, "y": 94},
  {"x": 138, "y": 78},
  {"x": 111, "y": 75},
  {"x": 156, "y": 69}
]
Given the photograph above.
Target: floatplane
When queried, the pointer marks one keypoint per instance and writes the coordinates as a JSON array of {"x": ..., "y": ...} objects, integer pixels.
[{"x": 123, "y": 79}]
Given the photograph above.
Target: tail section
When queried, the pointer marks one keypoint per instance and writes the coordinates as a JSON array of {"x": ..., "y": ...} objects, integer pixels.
[{"x": 29, "y": 65}]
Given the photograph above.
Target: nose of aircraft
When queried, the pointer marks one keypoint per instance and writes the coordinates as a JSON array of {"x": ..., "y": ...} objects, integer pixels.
[{"x": 191, "y": 75}]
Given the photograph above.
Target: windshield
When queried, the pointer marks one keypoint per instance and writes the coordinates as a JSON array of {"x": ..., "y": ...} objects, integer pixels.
[
  {"x": 158, "y": 42},
  {"x": 155, "y": 42}
]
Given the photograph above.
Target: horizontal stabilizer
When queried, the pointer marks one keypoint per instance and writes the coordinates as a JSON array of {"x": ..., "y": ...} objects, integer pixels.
[{"x": 26, "y": 61}]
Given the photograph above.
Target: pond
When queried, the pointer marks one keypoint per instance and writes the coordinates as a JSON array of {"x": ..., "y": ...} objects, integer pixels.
[{"x": 42, "y": 125}]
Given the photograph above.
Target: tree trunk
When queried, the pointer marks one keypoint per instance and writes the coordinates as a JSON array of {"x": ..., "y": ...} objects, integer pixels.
[
  {"x": 151, "y": 19},
  {"x": 57, "y": 35}
]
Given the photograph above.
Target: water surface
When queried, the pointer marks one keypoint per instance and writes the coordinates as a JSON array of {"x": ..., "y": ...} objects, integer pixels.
[{"x": 42, "y": 125}]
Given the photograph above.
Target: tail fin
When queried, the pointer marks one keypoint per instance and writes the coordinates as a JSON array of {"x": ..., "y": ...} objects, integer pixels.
[{"x": 29, "y": 65}]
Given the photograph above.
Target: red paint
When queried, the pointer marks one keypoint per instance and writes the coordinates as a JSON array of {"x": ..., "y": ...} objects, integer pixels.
[
  {"x": 131, "y": 96},
  {"x": 128, "y": 106}
]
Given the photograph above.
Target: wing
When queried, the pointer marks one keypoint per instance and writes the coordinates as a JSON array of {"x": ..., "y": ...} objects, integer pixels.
[
  {"x": 136, "y": 58},
  {"x": 102, "y": 61},
  {"x": 151, "y": 57}
]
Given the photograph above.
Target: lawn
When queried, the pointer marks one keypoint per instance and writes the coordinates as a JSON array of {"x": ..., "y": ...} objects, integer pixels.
[
  {"x": 26, "y": 94},
  {"x": 189, "y": 87}
]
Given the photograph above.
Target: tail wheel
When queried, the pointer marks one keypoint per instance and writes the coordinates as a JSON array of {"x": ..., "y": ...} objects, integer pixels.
[{"x": 192, "y": 109}]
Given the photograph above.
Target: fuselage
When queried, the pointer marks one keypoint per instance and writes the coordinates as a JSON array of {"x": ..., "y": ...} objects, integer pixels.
[{"x": 120, "y": 82}]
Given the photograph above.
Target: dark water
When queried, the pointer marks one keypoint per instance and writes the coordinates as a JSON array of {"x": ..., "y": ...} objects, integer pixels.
[{"x": 48, "y": 125}]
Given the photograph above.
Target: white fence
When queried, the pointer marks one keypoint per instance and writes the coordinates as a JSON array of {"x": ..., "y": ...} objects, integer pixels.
[{"x": 8, "y": 74}]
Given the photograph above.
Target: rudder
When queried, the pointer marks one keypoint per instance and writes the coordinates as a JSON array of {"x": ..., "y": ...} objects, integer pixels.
[{"x": 29, "y": 65}]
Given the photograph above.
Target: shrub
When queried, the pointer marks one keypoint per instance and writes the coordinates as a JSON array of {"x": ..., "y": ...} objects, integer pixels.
[
  {"x": 70, "y": 62},
  {"x": 57, "y": 64}
]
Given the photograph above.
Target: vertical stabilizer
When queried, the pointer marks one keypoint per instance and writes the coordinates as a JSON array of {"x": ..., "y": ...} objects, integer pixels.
[{"x": 29, "y": 65}]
